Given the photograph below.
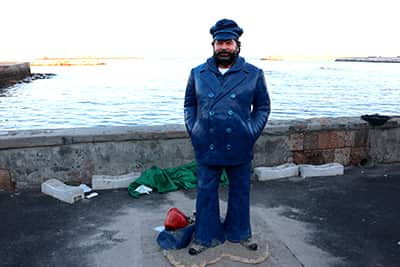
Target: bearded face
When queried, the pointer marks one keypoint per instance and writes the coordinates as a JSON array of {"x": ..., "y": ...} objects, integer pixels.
[{"x": 225, "y": 52}]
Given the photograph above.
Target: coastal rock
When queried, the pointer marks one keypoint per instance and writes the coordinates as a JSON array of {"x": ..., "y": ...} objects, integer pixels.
[{"x": 13, "y": 71}]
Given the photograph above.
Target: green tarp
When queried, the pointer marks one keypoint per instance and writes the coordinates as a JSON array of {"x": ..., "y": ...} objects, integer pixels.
[{"x": 169, "y": 179}]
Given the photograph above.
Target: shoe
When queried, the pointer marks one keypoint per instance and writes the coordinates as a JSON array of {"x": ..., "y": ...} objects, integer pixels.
[
  {"x": 249, "y": 244},
  {"x": 196, "y": 249}
]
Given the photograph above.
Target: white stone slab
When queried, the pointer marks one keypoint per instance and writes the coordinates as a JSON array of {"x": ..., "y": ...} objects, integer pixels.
[
  {"x": 61, "y": 191},
  {"x": 101, "y": 182},
  {"x": 329, "y": 169},
  {"x": 277, "y": 172}
]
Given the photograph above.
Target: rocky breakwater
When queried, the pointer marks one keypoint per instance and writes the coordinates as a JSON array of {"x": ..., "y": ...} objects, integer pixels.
[
  {"x": 370, "y": 59},
  {"x": 12, "y": 72},
  {"x": 36, "y": 76}
]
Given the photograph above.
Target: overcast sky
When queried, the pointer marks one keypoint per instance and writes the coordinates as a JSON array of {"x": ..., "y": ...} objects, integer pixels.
[{"x": 179, "y": 28}]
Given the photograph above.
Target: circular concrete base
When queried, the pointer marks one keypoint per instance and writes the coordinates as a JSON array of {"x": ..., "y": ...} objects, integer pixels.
[{"x": 228, "y": 250}]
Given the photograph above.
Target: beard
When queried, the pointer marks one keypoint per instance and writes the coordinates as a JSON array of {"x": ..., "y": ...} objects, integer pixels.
[{"x": 225, "y": 58}]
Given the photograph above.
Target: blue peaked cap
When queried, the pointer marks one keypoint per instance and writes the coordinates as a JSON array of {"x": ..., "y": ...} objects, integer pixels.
[{"x": 226, "y": 29}]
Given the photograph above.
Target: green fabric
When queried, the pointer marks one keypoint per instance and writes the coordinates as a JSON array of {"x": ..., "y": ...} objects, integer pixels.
[{"x": 169, "y": 179}]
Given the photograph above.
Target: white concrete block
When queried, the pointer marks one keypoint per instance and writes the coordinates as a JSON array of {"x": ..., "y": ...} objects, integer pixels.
[
  {"x": 101, "y": 182},
  {"x": 281, "y": 171},
  {"x": 61, "y": 191},
  {"x": 329, "y": 169}
]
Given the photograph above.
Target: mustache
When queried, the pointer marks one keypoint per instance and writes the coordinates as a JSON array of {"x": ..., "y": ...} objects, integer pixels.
[
  {"x": 218, "y": 53},
  {"x": 224, "y": 57}
]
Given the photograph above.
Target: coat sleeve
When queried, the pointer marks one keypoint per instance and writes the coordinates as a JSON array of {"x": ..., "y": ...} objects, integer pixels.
[
  {"x": 190, "y": 104},
  {"x": 261, "y": 106}
]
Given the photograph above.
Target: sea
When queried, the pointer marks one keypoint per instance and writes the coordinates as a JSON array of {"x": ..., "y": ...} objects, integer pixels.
[{"x": 151, "y": 92}]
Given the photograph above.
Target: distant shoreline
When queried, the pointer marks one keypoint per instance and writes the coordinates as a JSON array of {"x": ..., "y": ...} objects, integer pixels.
[
  {"x": 98, "y": 61},
  {"x": 298, "y": 58},
  {"x": 377, "y": 59},
  {"x": 75, "y": 61},
  {"x": 370, "y": 59}
]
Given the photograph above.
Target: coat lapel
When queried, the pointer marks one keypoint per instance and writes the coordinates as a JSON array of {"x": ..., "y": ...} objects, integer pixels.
[
  {"x": 233, "y": 80},
  {"x": 230, "y": 84},
  {"x": 208, "y": 75},
  {"x": 212, "y": 81}
]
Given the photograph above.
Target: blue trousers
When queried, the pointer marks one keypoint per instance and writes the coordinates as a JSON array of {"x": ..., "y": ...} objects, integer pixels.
[{"x": 209, "y": 230}]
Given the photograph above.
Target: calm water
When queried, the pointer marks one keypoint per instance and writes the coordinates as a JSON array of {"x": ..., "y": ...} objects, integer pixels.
[{"x": 151, "y": 92}]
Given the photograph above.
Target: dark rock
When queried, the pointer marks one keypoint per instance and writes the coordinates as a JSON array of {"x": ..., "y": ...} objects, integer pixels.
[{"x": 375, "y": 119}]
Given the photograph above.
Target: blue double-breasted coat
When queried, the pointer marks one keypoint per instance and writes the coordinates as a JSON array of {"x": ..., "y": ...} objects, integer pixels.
[{"x": 224, "y": 115}]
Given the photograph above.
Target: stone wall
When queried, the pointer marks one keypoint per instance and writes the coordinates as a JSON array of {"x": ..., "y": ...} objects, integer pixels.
[
  {"x": 27, "y": 158},
  {"x": 10, "y": 73}
]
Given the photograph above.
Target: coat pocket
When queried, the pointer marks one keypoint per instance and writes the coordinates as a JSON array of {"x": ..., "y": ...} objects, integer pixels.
[
  {"x": 251, "y": 131},
  {"x": 198, "y": 136},
  {"x": 194, "y": 127}
]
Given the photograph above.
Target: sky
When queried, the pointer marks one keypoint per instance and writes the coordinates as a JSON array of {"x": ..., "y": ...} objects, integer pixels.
[{"x": 180, "y": 28}]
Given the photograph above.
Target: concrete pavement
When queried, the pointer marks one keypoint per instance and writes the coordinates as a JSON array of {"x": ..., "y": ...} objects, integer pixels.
[{"x": 349, "y": 220}]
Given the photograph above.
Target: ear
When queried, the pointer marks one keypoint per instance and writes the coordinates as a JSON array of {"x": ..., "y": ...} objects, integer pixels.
[
  {"x": 238, "y": 49},
  {"x": 238, "y": 46}
]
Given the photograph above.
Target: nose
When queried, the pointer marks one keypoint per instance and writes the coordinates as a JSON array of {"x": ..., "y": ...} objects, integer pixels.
[{"x": 224, "y": 45}]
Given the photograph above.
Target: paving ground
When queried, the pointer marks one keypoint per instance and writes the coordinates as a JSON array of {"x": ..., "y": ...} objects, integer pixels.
[{"x": 350, "y": 220}]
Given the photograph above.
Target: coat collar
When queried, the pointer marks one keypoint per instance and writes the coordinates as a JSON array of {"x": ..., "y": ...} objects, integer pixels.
[{"x": 212, "y": 66}]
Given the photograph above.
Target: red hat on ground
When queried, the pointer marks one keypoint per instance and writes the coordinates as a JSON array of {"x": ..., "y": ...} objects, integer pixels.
[{"x": 175, "y": 219}]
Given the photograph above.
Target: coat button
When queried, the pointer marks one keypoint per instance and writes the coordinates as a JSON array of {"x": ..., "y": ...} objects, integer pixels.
[
  {"x": 228, "y": 147},
  {"x": 228, "y": 130},
  {"x": 212, "y": 113},
  {"x": 211, "y": 95},
  {"x": 230, "y": 112},
  {"x": 233, "y": 95},
  {"x": 212, "y": 147}
]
